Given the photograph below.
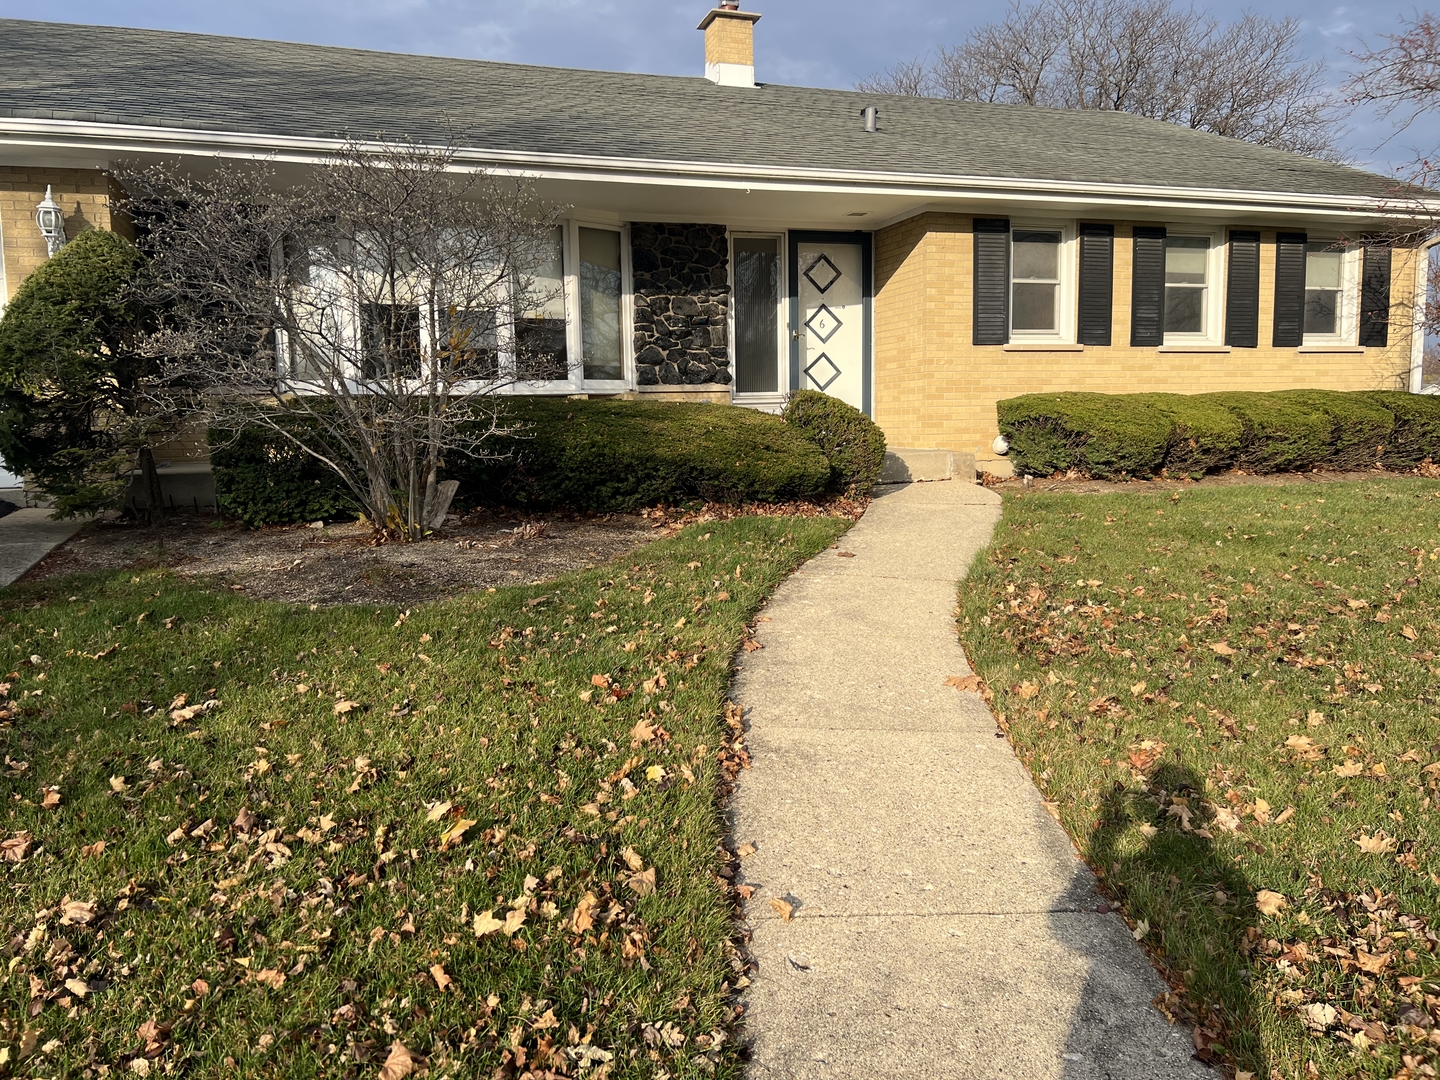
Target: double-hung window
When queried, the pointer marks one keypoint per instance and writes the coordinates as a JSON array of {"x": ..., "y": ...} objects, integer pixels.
[
  {"x": 1193, "y": 307},
  {"x": 1039, "y": 283},
  {"x": 1329, "y": 290}
]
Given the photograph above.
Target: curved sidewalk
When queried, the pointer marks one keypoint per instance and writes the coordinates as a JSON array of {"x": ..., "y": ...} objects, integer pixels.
[
  {"x": 943, "y": 925},
  {"x": 27, "y": 536}
]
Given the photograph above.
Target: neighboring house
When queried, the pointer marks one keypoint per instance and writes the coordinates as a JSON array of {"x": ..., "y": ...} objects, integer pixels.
[{"x": 917, "y": 258}]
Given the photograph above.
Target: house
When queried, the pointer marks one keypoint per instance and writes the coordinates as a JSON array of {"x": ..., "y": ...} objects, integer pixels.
[{"x": 917, "y": 258}]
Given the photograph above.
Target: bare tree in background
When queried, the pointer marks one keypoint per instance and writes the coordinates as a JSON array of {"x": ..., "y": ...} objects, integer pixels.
[
  {"x": 1246, "y": 79},
  {"x": 1400, "y": 79},
  {"x": 367, "y": 314}
]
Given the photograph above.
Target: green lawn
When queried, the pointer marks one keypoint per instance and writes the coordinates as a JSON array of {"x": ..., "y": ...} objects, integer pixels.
[
  {"x": 249, "y": 839},
  {"x": 1233, "y": 690}
]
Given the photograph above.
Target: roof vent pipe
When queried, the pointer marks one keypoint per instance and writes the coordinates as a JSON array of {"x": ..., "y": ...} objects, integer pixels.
[{"x": 871, "y": 115}]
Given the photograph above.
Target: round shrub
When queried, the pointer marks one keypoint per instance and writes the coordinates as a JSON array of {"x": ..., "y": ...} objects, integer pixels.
[
  {"x": 852, "y": 443},
  {"x": 607, "y": 455},
  {"x": 263, "y": 479}
]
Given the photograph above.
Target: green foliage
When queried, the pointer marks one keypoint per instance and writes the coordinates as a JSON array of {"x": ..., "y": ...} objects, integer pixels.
[
  {"x": 263, "y": 479},
  {"x": 68, "y": 379},
  {"x": 1098, "y": 434},
  {"x": 1204, "y": 435},
  {"x": 1141, "y": 435},
  {"x": 1228, "y": 693},
  {"x": 1416, "y": 435},
  {"x": 523, "y": 765},
  {"x": 607, "y": 455},
  {"x": 852, "y": 443}
]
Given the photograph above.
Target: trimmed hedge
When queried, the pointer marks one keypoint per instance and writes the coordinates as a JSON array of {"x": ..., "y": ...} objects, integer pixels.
[
  {"x": 263, "y": 480},
  {"x": 607, "y": 455},
  {"x": 1143, "y": 435},
  {"x": 852, "y": 443}
]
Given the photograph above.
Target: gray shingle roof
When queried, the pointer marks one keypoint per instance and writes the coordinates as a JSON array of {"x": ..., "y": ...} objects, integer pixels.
[{"x": 166, "y": 79}]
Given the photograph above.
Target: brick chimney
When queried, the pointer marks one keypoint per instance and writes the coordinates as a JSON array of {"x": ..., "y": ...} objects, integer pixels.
[{"x": 730, "y": 45}]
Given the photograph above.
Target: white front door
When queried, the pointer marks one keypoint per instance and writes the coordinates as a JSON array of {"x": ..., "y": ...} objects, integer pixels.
[{"x": 832, "y": 326}]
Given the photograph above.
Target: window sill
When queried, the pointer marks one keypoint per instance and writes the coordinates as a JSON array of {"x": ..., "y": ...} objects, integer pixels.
[
  {"x": 1196, "y": 348},
  {"x": 1354, "y": 350},
  {"x": 1041, "y": 346}
]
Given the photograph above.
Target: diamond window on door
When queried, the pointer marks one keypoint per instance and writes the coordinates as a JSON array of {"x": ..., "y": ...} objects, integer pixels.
[
  {"x": 823, "y": 323},
  {"x": 829, "y": 376},
  {"x": 822, "y": 273}
]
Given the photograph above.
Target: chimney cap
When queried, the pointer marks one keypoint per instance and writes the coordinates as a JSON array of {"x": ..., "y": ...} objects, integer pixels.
[{"x": 730, "y": 11}]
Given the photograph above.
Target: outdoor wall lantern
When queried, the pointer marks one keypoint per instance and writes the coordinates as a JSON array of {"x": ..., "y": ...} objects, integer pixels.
[{"x": 51, "y": 220}]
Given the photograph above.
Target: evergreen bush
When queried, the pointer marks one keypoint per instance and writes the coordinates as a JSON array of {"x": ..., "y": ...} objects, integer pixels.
[{"x": 852, "y": 443}]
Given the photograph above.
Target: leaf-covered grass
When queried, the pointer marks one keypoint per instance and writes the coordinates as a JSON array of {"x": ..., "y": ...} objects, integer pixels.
[
  {"x": 486, "y": 831},
  {"x": 1232, "y": 699}
]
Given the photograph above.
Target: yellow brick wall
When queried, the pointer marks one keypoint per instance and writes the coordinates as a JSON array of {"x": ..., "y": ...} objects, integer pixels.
[
  {"x": 85, "y": 195},
  {"x": 730, "y": 39},
  {"x": 933, "y": 388}
]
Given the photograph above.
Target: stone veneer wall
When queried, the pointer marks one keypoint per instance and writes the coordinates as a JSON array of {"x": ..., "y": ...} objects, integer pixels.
[{"x": 682, "y": 304}]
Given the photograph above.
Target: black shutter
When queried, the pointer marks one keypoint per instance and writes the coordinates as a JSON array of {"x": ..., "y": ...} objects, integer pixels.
[
  {"x": 1147, "y": 286},
  {"x": 1242, "y": 291},
  {"x": 1375, "y": 296},
  {"x": 1097, "y": 284},
  {"x": 992, "y": 281},
  {"x": 1289, "y": 290}
]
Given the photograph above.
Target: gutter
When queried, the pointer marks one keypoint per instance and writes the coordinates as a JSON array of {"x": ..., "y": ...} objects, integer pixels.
[{"x": 123, "y": 139}]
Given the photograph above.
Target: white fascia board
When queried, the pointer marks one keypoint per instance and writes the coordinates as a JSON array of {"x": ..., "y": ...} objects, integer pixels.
[{"x": 118, "y": 139}]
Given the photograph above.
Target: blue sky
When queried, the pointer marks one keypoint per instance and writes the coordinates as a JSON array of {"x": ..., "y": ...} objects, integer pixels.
[{"x": 810, "y": 42}]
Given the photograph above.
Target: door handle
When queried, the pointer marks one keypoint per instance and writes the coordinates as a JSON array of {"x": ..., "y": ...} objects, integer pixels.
[{"x": 794, "y": 335}]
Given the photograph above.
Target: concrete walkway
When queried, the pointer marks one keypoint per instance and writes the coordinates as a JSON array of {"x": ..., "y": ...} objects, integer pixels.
[
  {"x": 27, "y": 536},
  {"x": 943, "y": 925}
]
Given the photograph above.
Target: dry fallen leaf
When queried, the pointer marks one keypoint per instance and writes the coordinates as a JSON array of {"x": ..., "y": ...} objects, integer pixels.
[
  {"x": 1269, "y": 902},
  {"x": 271, "y": 978},
  {"x": 438, "y": 810},
  {"x": 1141, "y": 929},
  {"x": 643, "y": 883},
  {"x": 1149, "y": 831},
  {"x": 51, "y": 798},
  {"x": 14, "y": 848},
  {"x": 782, "y": 908},
  {"x": 453, "y": 835},
  {"x": 399, "y": 1064},
  {"x": 1222, "y": 648},
  {"x": 1284, "y": 815},
  {"x": 1320, "y": 1015},
  {"x": 78, "y": 987},
  {"x": 1226, "y": 819},
  {"x": 641, "y": 733},
  {"x": 1379, "y": 844},
  {"x": 584, "y": 917},
  {"x": 1374, "y": 963},
  {"x": 442, "y": 980},
  {"x": 118, "y": 784},
  {"x": 339, "y": 709},
  {"x": 964, "y": 682},
  {"x": 486, "y": 923},
  {"x": 632, "y": 859},
  {"x": 91, "y": 850},
  {"x": 1027, "y": 689},
  {"x": 1408, "y": 632},
  {"x": 514, "y": 919},
  {"x": 1347, "y": 769},
  {"x": 76, "y": 912}
]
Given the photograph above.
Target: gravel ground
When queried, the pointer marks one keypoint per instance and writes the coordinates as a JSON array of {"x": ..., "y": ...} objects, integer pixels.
[{"x": 340, "y": 564}]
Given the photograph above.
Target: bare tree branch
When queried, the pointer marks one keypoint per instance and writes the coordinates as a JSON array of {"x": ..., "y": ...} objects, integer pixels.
[
  {"x": 1246, "y": 80},
  {"x": 369, "y": 315}
]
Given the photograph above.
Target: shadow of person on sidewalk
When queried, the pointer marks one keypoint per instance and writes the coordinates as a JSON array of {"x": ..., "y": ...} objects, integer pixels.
[{"x": 1191, "y": 908}]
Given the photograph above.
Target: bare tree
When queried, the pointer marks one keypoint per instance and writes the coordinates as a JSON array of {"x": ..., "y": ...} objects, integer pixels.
[
  {"x": 368, "y": 312},
  {"x": 1400, "y": 79},
  {"x": 1246, "y": 79}
]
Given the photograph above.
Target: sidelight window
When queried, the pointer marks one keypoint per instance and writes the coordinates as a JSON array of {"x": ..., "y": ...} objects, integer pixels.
[{"x": 758, "y": 276}]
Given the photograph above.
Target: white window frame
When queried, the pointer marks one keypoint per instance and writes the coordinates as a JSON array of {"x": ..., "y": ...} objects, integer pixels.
[
  {"x": 348, "y": 311},
  {"x": 1067, "y": 258},
  {"x": 769, "y": 401},
  {"x": 1347, "y": 324},
  {"x": 574, "y": 332},
  {"x": 1219, "y": 249}
]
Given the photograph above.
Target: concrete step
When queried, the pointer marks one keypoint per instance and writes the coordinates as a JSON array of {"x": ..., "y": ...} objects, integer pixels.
[{"x": 903, "y": 465}]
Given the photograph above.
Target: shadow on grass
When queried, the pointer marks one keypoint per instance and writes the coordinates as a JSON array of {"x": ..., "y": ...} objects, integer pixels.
[{"x": 1198, "y": 906}]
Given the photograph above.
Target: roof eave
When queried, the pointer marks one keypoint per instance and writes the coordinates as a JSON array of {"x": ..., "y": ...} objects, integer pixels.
[{"x": 121, "y": 139}]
